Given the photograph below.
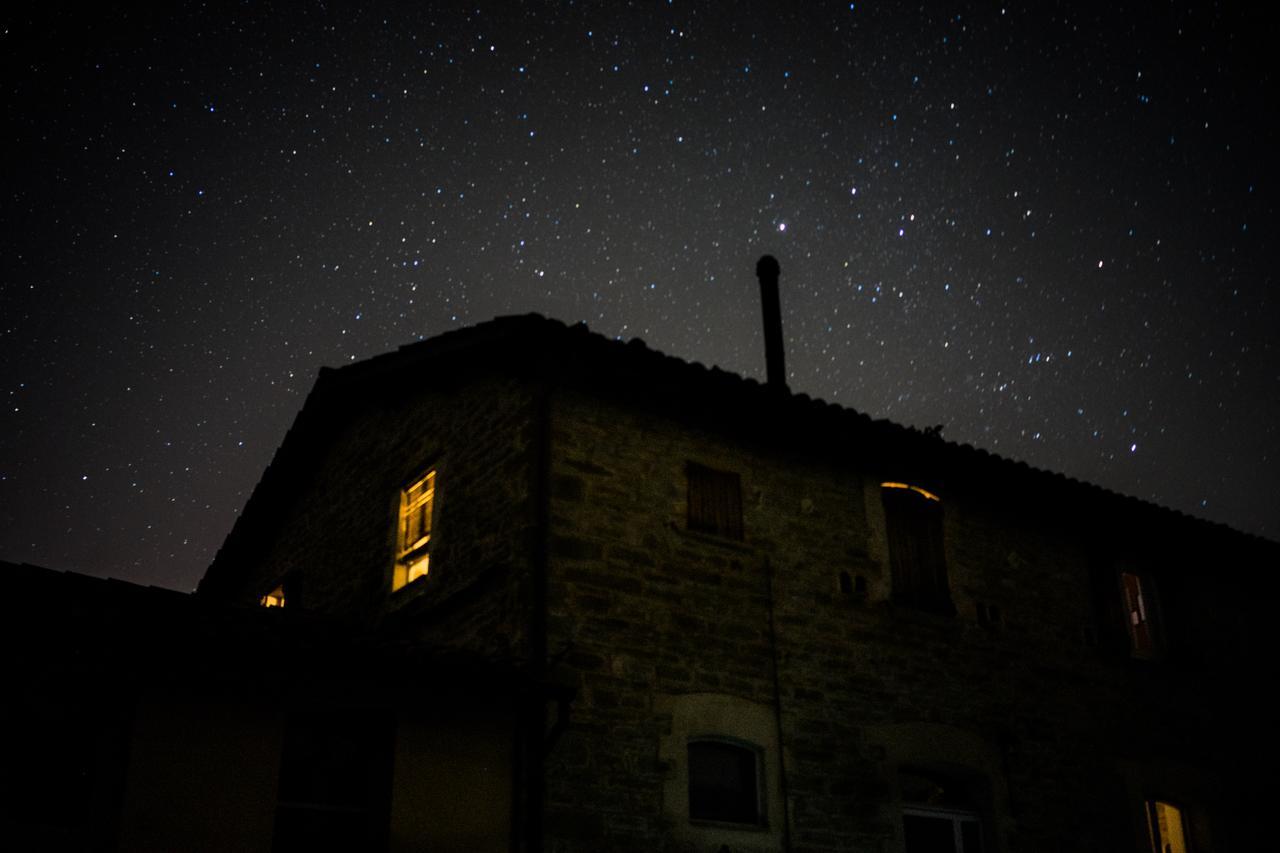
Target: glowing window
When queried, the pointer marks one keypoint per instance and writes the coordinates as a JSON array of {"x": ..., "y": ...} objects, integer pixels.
[
  {"x": 275, "y": 598},
  {"x": 913, "y": 527},
  {"x": 1166, "y": 827},
  {"x": 1137, "y": 605},
  {"x": 413, "y": 542}
]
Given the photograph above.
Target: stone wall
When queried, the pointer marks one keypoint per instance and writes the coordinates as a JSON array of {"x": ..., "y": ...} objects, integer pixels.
[
  {"x": 335, "y": 540},
  {"x": 1024, "y": 692}
]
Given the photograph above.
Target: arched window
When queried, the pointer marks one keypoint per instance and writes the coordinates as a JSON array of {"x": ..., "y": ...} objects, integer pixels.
[{"x": 913, "y": 527}]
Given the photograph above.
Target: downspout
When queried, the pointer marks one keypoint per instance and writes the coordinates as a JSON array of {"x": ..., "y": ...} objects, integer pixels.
[
  {"x": 777, "y": 709},
  {"x": 537, "y": 744}
]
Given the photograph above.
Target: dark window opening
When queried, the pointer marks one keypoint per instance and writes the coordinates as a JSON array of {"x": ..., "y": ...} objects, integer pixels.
[
  {"x": 335, "y": 782},
  {"x": 926, "y": 831},
  {"x": 939, "y": 815},
  {"x": 715, "y": 501},
  {"x": 913, "y": 524},
  {"x": 1138, "y": 601},
  {"x": 724, "y": 782},
  {"x": 846, "y": 583}
]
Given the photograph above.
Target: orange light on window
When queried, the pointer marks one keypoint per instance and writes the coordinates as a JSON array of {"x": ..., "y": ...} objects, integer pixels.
[
  {"x": 1168, "y": 831},
  {"x": 919, "y": 491},
  {"x": 275, "y": 598},
  {"x": 413, "y": 540}
]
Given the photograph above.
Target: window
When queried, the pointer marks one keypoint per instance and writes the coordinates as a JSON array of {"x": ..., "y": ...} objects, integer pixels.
[
  {"x": 938, "y": 815},
  {"x": 1166, "y": 827},
  {"x": 335, "y": 781},
  {"x": 275, "y": 598},
  {"x": 941, "y": 831},
  {"x": 913, "y": 526},
  {"x": 413, "y": 541},
  {"x": 724, "y": 782},
  {"x": 1136, "y": 593},
  {"x": 715, "y": 501}
]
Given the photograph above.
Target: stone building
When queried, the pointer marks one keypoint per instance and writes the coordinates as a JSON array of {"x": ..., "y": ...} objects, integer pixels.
[
  {"x": 572, "y": 594},
  {"x": 784, "y": 626}
]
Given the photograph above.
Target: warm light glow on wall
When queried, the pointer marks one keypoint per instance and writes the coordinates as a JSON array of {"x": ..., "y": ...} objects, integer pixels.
[
  {"x": 413, "y": 540},
  {"x": 919, "y": 491},
  {"x": 275, "y": 598},
  {"x": 1168, "y": 835}
]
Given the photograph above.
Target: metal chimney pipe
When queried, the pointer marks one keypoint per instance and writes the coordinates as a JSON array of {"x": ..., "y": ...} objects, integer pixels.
[{"x": 767, "y": 270}]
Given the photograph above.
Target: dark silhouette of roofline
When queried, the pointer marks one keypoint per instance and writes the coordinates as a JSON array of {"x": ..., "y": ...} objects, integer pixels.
[{"x": 534, "y": 347}]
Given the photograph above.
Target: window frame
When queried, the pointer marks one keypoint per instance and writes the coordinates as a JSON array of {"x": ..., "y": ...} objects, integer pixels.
[
  {"x": 275, "y": 598},
  {"x": 1151, "y": 806},
  {"x": 1141, "y": 613},
  {"x": 412, "y": 560},
  {"x": 918, "y": 574},
  {"x": 956, "y": 817},
  {"x": 716, "y": 508}
]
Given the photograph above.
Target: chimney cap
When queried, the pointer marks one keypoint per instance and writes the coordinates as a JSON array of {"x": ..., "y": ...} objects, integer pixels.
[{"x": 767, "y": 267}]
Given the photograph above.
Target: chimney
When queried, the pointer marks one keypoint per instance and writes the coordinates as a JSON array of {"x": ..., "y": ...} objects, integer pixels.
[{"x": 767, "y": 270}]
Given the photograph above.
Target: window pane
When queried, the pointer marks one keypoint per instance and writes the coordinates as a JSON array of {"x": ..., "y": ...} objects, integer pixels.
[
  {"x": 971, "y": 834},
  {"x": 929, "y": 834},
  {"x": 723, "y": 783},
  {"x": 715, "y": 501},
  {"x": 414, "y": 536},
  {"x": 1139, "y": 622},
  {"x": 1168, "y": 833}
]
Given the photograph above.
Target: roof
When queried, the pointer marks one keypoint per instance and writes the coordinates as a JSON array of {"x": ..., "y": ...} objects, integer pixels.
[
  {"x": 558, "y": 355},
  {"x": 70, "y": 626}
]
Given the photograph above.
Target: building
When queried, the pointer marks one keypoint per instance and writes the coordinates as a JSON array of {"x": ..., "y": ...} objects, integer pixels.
[{"x": 541, "y": 590}]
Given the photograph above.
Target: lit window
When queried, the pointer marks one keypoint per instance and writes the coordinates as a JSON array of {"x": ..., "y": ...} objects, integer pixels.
[
  {"x": 1166, "y": 827},
  {"x": 724, "y": 782},
  {"x": 1137, "y": 606},
  {"x": 413, "y": 543},
  {"x": 919, "y": 491},
  {"x": 715, "y": 501},
  {"x": 275, "y": 598},
  {"x": 913, "y": 526}
]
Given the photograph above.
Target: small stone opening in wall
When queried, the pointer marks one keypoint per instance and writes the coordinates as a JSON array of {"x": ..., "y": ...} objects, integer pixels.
[{"x": 852, "y": 585}]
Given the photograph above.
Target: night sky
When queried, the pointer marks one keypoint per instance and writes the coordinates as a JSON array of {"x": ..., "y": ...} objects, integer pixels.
[{"x": 1048, "y": 227}]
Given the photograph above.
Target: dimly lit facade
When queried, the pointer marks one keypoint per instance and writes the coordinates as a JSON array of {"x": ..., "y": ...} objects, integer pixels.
[{"x": 520, "y": 587}]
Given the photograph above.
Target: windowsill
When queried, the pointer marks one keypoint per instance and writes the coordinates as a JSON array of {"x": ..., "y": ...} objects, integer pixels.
[
  {"x": 729, "y": 825},
  {"x": 939, "y": 607},
  {"x": 737, "y": 545},
  {"x": 410, "y": 591}
]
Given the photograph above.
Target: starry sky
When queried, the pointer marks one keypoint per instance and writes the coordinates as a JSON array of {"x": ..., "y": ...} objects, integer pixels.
[{"x": 1046, "y": 226}]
